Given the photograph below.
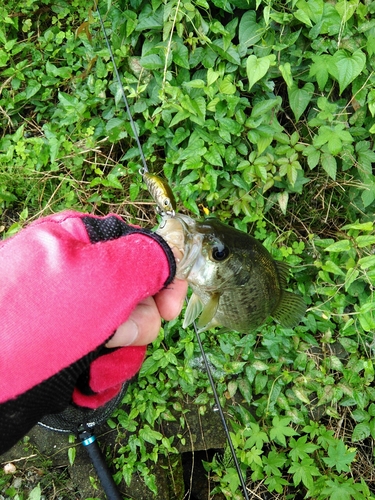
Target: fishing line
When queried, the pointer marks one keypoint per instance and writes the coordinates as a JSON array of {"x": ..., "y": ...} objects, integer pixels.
[
  {"x": 205, "y": 360},
  {"x": 221, "y": 413},
  {"x": 133, "y": 126}
]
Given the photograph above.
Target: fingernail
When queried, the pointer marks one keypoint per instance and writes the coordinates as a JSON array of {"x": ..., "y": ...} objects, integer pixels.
[
  {"x": 125, "y": 334},
  {"x": 131, "y": 332}
]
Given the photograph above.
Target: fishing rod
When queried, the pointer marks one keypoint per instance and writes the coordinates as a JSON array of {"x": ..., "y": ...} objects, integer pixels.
[{"x": 144, "y": 170}]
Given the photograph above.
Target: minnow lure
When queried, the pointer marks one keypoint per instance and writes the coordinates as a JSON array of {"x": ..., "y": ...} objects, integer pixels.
[{"x": 161, "y": 193}]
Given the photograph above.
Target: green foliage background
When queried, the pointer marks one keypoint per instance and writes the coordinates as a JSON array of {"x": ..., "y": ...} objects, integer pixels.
[{"x": 262, "y": 112}]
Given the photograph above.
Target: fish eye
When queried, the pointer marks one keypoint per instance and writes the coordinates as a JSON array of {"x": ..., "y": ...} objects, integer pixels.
[{"x": 219, "y": 253}]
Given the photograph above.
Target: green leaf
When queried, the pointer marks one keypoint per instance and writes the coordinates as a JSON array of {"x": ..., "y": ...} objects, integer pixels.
[
  {"x": 366, "y": 240},
  {"x": 264, "y": 107},
  {"x": 281, "y": 428},
  {"x": 329, "y": 164},
  {"x": 180, "y": 55},
  {"x": 304, "y": 472},
  {"x": 367, "y": 262},
  {"x": 249, "y": 31},
  {"x": 4, "y": 58},
  {"x": 339, "y": 246},
  {"x": 35, "y": 493},
  {"x": 273, "y": 462},
  {"x": 150, "y": 435},
  {"x": 229, "y": 54},
  {"x": 344, "y": 491},
  {"x": 299, "y": 98},
  {"x": 320, "y": 69},
  {"x": 339, "y": 457},
  {"x": 361, "y": 431},
  {"x": 151, "y": 62},
  {"x": 72, "y": 454},
  {"x": 300, "y": 448},
  {"x": 257, "y": 67},
  {"x": 346, "y": 67},
  {"x": 368, "y": 196},
  {"x": 286, "y": 71},
  {"x": 256, "y": 435}
]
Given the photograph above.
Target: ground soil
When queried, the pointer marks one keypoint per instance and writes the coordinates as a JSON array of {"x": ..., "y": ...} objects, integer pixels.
[{"x": 42, "y": 458}]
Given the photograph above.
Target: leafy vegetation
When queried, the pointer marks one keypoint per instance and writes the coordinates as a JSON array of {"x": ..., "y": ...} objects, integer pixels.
[{"x": 262, "y": 112}]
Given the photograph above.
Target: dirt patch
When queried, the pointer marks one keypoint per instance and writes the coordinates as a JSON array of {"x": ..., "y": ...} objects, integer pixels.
[{"x": 42, "y": 459}]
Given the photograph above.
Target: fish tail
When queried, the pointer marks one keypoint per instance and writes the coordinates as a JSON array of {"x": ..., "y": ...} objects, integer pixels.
[{"x": 290, "y": 309}]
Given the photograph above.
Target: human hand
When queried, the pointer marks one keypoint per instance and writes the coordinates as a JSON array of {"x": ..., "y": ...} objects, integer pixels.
[{"x": 143, "y": 324}]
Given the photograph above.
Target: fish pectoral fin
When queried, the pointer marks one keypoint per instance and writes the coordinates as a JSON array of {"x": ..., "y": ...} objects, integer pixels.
[
  {"x": 208, "y": 313},
  {"x": 290, "y": 309},
  {"x": 193, "y": 310}
]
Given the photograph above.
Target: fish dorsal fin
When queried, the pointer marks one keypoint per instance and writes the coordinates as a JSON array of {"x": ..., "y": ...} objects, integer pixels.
[
  {"x": 193, "y": 310},
  {"x": 209, "y": 311},
  {"x": 283, "y": 272},
  {"x": 290, "y": 309}
]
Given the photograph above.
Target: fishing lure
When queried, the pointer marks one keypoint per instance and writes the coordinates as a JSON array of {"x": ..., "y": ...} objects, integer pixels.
[{"x": 161, "y": 193}]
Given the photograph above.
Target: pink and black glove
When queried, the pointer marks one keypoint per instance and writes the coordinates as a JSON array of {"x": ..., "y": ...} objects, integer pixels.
[{"x": 67, "y": 282}]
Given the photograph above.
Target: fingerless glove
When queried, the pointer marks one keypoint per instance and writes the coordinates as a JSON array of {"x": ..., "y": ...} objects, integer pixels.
[{"x": 67, "y": 282}]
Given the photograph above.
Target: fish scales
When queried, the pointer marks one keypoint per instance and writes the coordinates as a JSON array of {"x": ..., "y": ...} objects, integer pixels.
[{"x": 235, "y": 281}]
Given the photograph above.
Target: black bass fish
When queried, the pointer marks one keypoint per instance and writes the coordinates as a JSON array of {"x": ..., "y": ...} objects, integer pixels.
[{"x": 235, "y": 281}]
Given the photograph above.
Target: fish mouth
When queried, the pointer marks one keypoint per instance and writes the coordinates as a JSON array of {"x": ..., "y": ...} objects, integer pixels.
[{"x": 180, "y": 232}]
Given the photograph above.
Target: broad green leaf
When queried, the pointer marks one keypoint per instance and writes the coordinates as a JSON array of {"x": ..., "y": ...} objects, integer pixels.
[
  {"x": 151, "y": 62},
  {"x": 35, "y": 493},
  {"x": 257, "y": 436},
  {"x": 303, "y": 16},
  {"x": 179, "y": 117},
  {"x": 320, "y": 69},
  {"x": 313, "y": 157},
  {"x": 226, "y": 86},
  {"x": 264, "y": 107},
  {"x": 257, "y": 67},
  {"x": 329, "y": 164},
  {"x": 346, "y": 9},
  {"x": 212, "y": 76},
  {"x": 299, "y": 98},
  {"x": 339, "y": 246},
  {"x": 366, "y": 240},
  {"x": 149, "y": 20},
  {"x": 339, "y": 457},
  {"x": 361, "y": 226},
  {"x": 346, "y": 67},
  {"x": 286, "y": 72},
  {"x": 282, "y": 199},
  {"x": 180, "y": 55},
  {"x": 350, "y": 277},
  {"x": 300, "y": 448},
  {"x": 32, "y": 88},
  {"x": 333, "y": 268},
  {"x": 281, "y": 428},
  {"x": 214, "y": 155},
  {"x": 72, "y": 451},
  {"x": 367, "y": 262},
  {"x": 361, "y": 431},
  {"x": 344, "y": 491},
  {"x": 249, "y": 31},
  {"x": 229, "y": 54},
  {"x": 4, "y": 58},
  {"x": 303, "y": 472},
  {"x": 368, "y": 196}
]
